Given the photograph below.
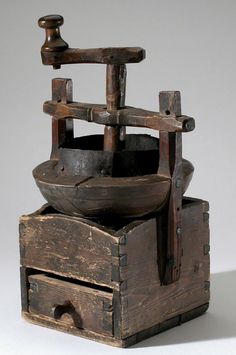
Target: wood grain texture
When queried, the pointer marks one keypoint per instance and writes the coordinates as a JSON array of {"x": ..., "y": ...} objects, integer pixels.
[
  {"x": 112, "y": 55},
  {"x": 129, "y": 116},
  {"x": 91, "y": 197},
  {"x": 118, "y": 254},
  {"x": 86, "y": 305},
  {"x": 111, "y": 138},
  {"x": 115, "y": 98},
  {"x": 62, "y": 130},
  {"x": 83, "y": 156},
  {"x": 55, "y": 50},
  {"x": 171, "y": 165},
  {"x": 115, "y": 86},
  {"x": 141, "y": 306},
  {"x": 170, "y": 102},
  {"x": 145, "y": 302},
  {"x": 60, "y": 326},
  {"x": 122, "y": 343},
  {"x": 67, "y": 246},
  {"x": 24, "y": 283}
]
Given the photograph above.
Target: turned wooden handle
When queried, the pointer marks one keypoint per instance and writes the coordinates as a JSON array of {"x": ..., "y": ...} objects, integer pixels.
[
  {"x": 65, "y": 55},
  {"x": 53, "y": 41},
  {"x": 51, "y": 21}
]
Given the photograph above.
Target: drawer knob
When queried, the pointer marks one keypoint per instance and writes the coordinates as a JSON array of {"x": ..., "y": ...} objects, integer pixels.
[{"x": 67, "y": 307}]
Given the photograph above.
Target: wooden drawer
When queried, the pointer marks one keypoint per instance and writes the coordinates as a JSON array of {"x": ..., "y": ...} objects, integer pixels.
[{"x": 74, "y": 305}]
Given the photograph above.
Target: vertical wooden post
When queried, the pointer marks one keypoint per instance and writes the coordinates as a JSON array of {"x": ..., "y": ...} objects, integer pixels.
[
  {"x": 62, "y": 129},
  {"x": 170, "y": 165},
  {"x": 115, "y": 96}
]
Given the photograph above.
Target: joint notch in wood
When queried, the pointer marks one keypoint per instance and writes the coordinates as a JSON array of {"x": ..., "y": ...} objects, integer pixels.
[
  {"x": 206, "y": 285},
  {"x": 107, "y": 307},
  {"x": 206, "y": 249},
  {"x": 22, "y": 228},
  {"x": 123, "y": 260},
  {"x": 117, "y": 264}
]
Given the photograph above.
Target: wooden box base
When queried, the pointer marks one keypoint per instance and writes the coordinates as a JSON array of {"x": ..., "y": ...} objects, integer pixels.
[
  {"x": 121, "y": 343},
  {"x": 102, "y": 282}
]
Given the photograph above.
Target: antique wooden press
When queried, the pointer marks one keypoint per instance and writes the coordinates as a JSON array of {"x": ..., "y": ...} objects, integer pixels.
[{"x": 117, "y": 254}]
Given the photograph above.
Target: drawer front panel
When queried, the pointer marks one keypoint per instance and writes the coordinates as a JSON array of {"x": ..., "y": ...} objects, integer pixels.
[
  {"x": 72, "y": 304},
  {"x": 67, "y": 246}
]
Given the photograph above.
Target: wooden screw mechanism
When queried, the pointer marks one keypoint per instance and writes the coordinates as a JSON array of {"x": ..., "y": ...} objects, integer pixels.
[
  {"x": 55, "y": 51},
  {"x": 115, "y": 116}
]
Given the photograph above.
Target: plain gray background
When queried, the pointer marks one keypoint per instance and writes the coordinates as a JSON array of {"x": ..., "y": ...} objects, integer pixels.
[{"x": 191, "y": 47}]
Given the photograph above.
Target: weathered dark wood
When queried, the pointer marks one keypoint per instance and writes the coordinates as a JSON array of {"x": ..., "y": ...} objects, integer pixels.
[
  {"x": 174, "y": 245},
  {"x": 113, "y": 55},
  {"x": 72, "y": 304},
  {"x": 145, "y": 301},
  {"x": 53, "y": 41},
  {"x": 62, "y": 130},
  {"x": 122, "y": 343},
  {"x": 129, "y": 116},
  {"x": 24, "y": 273},
  {"x": 94, "y": 196},
  {"x": 55, "y": 50},
  {"x": 166, "y": 325},
  {"x": 84, "y": 156},
  {"x": 78, "y": 178},
  {"x": 170, "y": 166},
  {"x": 118, "y": 254},
  {"x": 115, "y": 97},
  {"x": 91, "y": 197},
  {"x": 111, "y": 138},
  {"x": 141, "y": 306},
  {"x": 115, "y": 86},
  {"x": 63, "y": 327},
  {"x": 67, "y": 246},
  {"x": 170, "y": 103}
]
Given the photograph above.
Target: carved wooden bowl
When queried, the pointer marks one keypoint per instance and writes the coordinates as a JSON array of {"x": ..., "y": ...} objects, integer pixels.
[{"x": 90, "y": 182}]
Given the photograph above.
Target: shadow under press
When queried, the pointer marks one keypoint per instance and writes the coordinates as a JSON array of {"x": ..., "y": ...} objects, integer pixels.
[{"x": 217, "y": 323}]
